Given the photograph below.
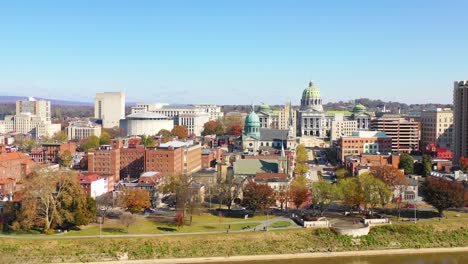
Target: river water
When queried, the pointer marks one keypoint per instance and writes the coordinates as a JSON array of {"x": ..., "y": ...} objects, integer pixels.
[{"x": 430, "y": 258}]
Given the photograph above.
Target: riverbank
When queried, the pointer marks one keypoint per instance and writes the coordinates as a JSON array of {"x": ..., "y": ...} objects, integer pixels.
[
  {"x": 294, "y": 256},
  {"x": 445, "y": 234}
]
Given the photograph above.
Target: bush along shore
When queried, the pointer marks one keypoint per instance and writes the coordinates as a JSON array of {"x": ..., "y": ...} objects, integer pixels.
[{"x": 399, "y": 236}]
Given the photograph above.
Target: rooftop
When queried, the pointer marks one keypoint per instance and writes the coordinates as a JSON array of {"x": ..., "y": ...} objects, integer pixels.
[{"x": 254, "y": 166}]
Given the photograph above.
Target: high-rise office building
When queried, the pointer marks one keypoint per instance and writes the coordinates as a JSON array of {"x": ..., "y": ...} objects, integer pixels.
[
  {"x": 460, "y": 120},
  {"x": 110, "y": 108},
  {"x": 38, "y": 108},
  {"x": 437, "y": 128}
]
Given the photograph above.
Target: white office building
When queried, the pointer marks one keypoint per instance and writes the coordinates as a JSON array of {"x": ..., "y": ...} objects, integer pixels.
[{"x": 110, "y": 108}]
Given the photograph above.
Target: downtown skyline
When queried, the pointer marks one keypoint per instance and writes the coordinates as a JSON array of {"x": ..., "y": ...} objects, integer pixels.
[{"x": 223, "y": 53}]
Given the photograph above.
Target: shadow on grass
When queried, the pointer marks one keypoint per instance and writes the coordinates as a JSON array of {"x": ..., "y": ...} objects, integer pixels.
[
  {"x": 209, "y": 227},
  {"x": 167, "y": 229},
  {"x": 114, "y": 230}
]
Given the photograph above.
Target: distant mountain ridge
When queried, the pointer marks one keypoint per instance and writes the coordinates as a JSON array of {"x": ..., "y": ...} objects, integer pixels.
[{"x": 13, "y": 99}]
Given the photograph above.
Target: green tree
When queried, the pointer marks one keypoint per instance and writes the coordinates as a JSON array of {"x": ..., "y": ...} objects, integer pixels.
[
  {"x": 166, "y": 135},
  {"x": 374, "y": 191},
  {"x": 442, "y": 193},
  {"x": 324, "y": 193},
  {"x": 301, "y": 160},
  {"x": 148, "y": 141},
  {"x": 180, "y": 132},
  {"x": 342, "y": 173},
  {"x": 66, "y": 159},
  {"x": 406, "y": 163},
  {"x": 105, "y": 138},
  {"x": 60, "y": 137},
  {"x": 213, "y": 128},
  {"x": 92, "y": 142},
  {"x": 427, "y": 165},
  {"x": 30, "y": 145},
  {"x": 257, "y": 196}
]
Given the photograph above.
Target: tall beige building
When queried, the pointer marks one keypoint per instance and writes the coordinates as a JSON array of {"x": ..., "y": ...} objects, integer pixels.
[
  {"x": 110, "y": 108},
  {"x": 31, "y": 106},
  {"x": 460, "y": 120},
  {"x": 287, "y": 118},
  {"x": 437, "y": 127}
]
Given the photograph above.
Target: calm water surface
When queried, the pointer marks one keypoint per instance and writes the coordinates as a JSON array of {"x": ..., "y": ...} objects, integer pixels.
[{"x": 439, "y": 258}]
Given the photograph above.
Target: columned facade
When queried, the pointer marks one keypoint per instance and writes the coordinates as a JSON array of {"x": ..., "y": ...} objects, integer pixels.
[{"x": 311, "y": 113}]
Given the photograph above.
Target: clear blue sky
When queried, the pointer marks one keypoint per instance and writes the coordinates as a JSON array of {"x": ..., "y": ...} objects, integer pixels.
[{"x": 234, "y": 52}]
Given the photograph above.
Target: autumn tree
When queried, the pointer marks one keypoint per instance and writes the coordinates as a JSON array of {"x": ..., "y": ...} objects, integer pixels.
[
  {"x": 299, "y": 191},
  {"x": 136, "y": 200},
  {"x": 392, "y": 176},
  {"x": 406, "y": 163},
  {"x": 233, "y": 120},
  {"x": 213, "y": 128},
  {"x": 179, "y": 220},
  {"x": 53, "y": 199},
  {"x": 257, "y": 196},
  {"x": 235, "y": 130},
  {"x": 66, "y": 159},
  {"x": 180, "y": 132},
  {"x": 324, "y": 193},
  {"x": 301, "y": 160},
  {"x": 442, "y": 193},
  {"x": 463, "y": 164},
  {"x": 105, "y": 138}
]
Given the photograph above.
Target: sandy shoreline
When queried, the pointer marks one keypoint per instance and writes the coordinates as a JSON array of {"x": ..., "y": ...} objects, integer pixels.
[{"x": 294, "y": 256}]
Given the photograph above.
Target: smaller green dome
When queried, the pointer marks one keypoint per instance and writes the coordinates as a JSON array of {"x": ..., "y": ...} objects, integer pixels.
[
  {"x": 264, "y": 108},
  {"x": 359, "y": 108}
]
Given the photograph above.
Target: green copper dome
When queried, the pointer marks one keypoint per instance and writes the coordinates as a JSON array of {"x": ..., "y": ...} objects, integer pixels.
[
  {"x": 264, "y": 108},
  {"x": 359, "y": 108},
  {"x": 252, "y": 124},
  {"x": 311, "y": 91}
]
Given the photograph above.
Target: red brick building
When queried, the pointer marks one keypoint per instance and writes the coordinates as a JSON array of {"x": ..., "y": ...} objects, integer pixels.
[
  {"x": 363, "y": 142},
  {"x": 15, "y": 165}
]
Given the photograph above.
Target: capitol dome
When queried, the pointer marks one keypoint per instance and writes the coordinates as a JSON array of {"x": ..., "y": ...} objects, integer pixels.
[
  {"x": 264, "y": 108},
  {"x": 311, "y": 99},
  {"x": 359, "y": 109}
]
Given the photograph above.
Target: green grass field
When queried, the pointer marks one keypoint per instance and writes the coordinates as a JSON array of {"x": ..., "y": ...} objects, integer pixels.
[{"x": 144, "y": 225}]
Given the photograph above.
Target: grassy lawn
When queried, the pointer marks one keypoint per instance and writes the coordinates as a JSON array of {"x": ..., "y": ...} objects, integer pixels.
[
  {"x": 280, "y": 224},
  {"x": 145, "y": 225}
]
